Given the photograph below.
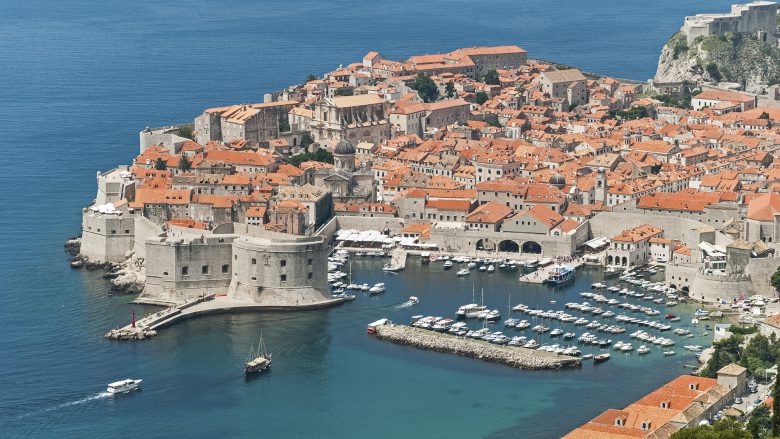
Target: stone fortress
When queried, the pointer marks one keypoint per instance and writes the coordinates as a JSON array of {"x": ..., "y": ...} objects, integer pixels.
[
  {"x": 248, "y": 264},
  {"x": 758, "y": 19}
]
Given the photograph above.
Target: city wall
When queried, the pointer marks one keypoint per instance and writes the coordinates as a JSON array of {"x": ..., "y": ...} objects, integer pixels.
[{"x": 689, "y": 231}]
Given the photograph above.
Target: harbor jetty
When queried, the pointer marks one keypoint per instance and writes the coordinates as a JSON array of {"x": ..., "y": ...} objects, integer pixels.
[{"x": 517, "y": 357}]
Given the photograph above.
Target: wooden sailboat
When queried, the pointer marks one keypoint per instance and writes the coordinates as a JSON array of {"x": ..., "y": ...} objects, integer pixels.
[{"x": 259, "y": 359}]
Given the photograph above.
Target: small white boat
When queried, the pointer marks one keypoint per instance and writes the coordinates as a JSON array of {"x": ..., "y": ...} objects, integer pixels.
[
  {"x": 491, "y": 269},
  {"x": 393, "y": 268},
  {"x": 643, "y": 350},
  {"x": 463, "y": 272},
  {"x": 124, "y": 386},
  {"x": 668, "y": 353},
  {"x": 447, "y": 264},
  {"x": 413, "y": 300},
  {"x": 377, "y": 288}
]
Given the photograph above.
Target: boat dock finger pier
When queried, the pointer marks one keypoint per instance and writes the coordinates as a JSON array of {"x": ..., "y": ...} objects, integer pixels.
[{"x": 518, "y": 357}]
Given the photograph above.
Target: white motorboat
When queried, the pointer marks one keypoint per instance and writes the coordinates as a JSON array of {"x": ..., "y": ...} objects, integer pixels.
[
  {"x": 483, "y": 268},
  {"x": 463, "y": 272},
  {"x": 413, "y": 300},
  {"x": 491, "y": 269},
  {"x": 124, "y": 386},
  {"x": 377, "y": 288},
  {"x": 393, "y": 268},
  {"x": 447, "y": 264},
  {"x": 643, "y": 350},
  {"x": 668, "y": 353}
]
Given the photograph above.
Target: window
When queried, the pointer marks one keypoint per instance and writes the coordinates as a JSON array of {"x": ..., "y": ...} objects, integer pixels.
[
  {"x": 283, "y": 262},
  {"x": 283, "y": 278},
  {"x": 165, "y": 273},
  {"x": 235, "y": 257},
  {"x": 254, "y": 278},
  {"x": 185, "y": 271},
  {"x": 127, "y": 230},
  {"x": 254, "y": 261},
  {"x": 310, "y": 261},
  {"x": 311, "y": 275},
  {"x": 204, "y": 269},
  {"x": 225, "y": 268}
]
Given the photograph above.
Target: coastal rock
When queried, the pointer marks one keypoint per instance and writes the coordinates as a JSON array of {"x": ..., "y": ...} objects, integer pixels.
[
  {"x": 516, "y": 357},
  {"x": 130, "y": 334},
  {"x": 720, "y": 58},
  {"x": 73, "y": 245},
  {"x": 129, "y": 277}
]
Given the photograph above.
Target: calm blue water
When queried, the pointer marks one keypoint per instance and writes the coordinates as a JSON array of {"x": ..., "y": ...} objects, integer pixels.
[{"x": 79, "y": 79}]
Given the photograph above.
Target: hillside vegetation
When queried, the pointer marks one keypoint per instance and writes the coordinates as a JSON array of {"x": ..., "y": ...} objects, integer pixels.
[{"x": 722, "y": 58}]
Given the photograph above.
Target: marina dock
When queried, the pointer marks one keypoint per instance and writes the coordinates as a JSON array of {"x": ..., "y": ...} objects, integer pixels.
[
  {"x": 538, "y": 276},
  {"x": 517, "y": 357},
  {"x": 149, "y": 325}
]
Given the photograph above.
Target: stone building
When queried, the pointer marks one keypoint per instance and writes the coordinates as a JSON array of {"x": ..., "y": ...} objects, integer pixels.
[
  {"x": 248, "y": 265},
  {"x": 757, "y": 19},
  {"x": 289, "y": 217},
  {"x": 570, "y": 85},
  {"x": 256, "y": 123},
  {"x": 360, "y": 118},
  {"x": 346, "y": 182},
  {"x": 761, "y": 222},
  {"x": 425, "y": 117},
  {"x": 632, "y": 246}
]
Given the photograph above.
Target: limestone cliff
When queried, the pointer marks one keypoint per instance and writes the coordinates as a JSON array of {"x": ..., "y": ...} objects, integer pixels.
[{"x": 720, "y": 58}]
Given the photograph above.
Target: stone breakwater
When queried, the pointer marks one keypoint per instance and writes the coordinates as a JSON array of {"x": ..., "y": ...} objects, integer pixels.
[{"x": 511, "y": 356}]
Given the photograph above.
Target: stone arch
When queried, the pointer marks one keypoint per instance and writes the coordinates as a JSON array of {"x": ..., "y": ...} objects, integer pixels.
[
  {"x": 532, "y": 247},
  {"x": 486, "y": 245},
  {"x": 609, "y": 260},
  {"x": 625, "y": 261},
  {"x": 508, "y": 246}
]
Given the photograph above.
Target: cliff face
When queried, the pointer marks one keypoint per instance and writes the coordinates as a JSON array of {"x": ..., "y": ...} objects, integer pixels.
[{"x": 723, "y": 58}]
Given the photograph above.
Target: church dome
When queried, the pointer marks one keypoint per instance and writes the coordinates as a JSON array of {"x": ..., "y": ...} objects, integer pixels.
[
  {"x": 344, "y": 147},
  {"x": 558, "y": 180}
]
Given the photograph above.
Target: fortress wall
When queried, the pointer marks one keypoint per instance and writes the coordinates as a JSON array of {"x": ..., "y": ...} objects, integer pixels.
[
  {"x": 144, "y": 230},
  {"x": 106, "y": 238},
  {"x": 166, "y": 261},
  {"x": 280, "y": 272},
  {"x": 684, "y": 229},
  {"x": 760, "y": 271},
  {"x": 465, "y": 241}
]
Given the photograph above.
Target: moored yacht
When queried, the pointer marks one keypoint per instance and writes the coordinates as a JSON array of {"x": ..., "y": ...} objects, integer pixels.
[{"x": 463, "y": 272}]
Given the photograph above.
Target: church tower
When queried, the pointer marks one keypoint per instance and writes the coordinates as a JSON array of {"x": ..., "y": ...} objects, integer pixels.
[{"x": 601, "y": 187}]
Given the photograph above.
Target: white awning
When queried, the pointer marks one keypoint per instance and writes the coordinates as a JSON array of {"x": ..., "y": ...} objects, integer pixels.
[{"x": 597, "y": 242}]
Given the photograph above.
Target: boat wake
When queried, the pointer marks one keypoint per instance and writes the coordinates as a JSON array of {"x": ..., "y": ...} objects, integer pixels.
[{"x": 84, "y": 400}]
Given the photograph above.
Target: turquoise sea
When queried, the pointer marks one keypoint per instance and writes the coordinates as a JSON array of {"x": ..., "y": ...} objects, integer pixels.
[{"x": 79, "y": 79}]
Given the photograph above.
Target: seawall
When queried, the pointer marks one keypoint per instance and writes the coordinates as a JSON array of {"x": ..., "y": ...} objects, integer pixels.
[{"x": 517, "y": 357}]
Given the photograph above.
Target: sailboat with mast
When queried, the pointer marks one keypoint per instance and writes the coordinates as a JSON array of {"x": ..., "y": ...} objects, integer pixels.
[{"x": 259, "y": 359}]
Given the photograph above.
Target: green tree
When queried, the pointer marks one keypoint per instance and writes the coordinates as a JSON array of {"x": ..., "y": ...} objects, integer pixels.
[
  {"x": 306, "y": 140},
  {"x": 184, "y": 164},
  {"x": 758, "y": 355},
  {"x": 284, "y": 125},
  {"x": 186, "y": 131},
  {"x": 449, "y": 90},
  {"x": 481, "y": 97},
  {"x": 775, "y": 279},
  {"x": 760, "y": 422},
  {"x": 725, "y": 352},
  {"x": 425, "y": 87},
  {"x": 160, "y": 165},
  {"x": 723, "y": 429},
  {"x": 655, "y": 169},
  {"x": 764, "y": 115},
  {"x": 491, "y": 77},
  {"x": 344, "y": 91},
  {"x": 776, "y": 408},
  {"x": 712, "y": 70},
  {"x": 319, "y": 155},
  {"x": 311, "y": 78}
]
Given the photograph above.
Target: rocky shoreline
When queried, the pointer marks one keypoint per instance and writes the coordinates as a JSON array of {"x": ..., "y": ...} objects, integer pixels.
[
  {"x": 127, "y": 277},
  {"x": 515, "y": 357}
]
